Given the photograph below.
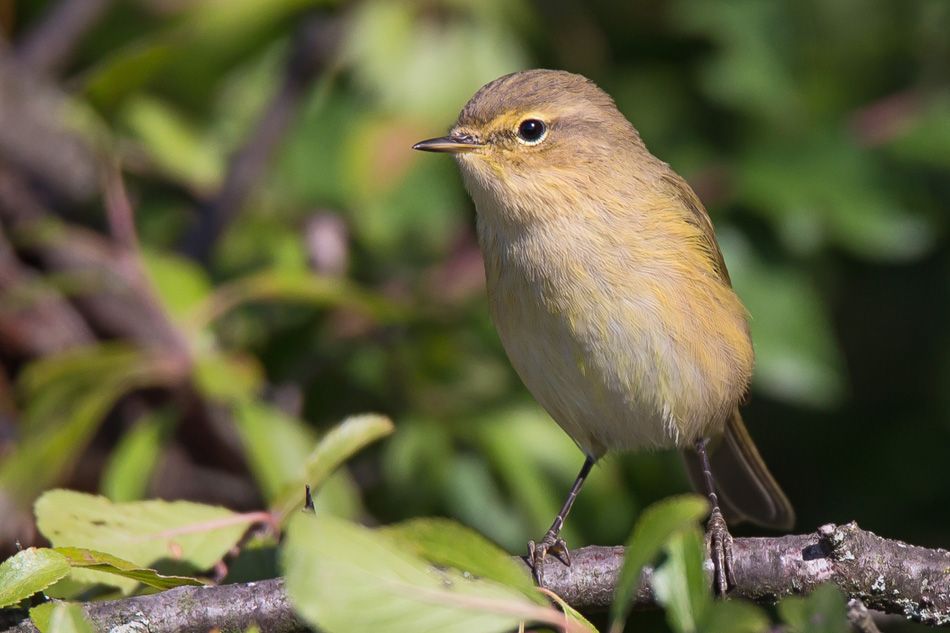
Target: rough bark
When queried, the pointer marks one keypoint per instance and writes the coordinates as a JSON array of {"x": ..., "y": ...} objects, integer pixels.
[{"x": 886, "y": 575}]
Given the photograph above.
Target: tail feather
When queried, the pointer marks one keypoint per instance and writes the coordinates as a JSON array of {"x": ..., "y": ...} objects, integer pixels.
[{"x": 746, "y": 489}]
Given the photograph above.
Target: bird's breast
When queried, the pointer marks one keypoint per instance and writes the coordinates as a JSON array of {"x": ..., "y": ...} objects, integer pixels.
[{"x": 622, "y": 349}]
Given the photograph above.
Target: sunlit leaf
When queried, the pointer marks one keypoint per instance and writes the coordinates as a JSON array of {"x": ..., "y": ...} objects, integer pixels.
[
  {"x": 341, "y": 443},
  {"x": 524, "y": 447},
  {"x": 277, "y": 446},
  {"x": 177, "y": 536},
  {"x": 342, "y": 577},
  {"x": 60, "y": 617},
  {"x": 398, "y": 56},
  {"x": 234, "y": 378},
  {"x": 181, "y": 283},
  {"x": 132, "y": 462},
  {"x": 287, "y": 286},
  {"x": 29, "y": 571},
  {"x": 574, "y": 621},
  {"x": 100, "y": 561},
  {"x": 449, "y": 544},
  {"x": 173, "y": 145}
]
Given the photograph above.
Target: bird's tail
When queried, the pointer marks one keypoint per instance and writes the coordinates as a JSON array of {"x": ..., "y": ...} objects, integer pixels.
[{"x": 746, "y": 489}]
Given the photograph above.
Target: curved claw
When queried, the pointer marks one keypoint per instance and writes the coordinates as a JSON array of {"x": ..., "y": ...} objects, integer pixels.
[
  {"x": 719, "y": 545},
  {"x": 550, "y": 544}
]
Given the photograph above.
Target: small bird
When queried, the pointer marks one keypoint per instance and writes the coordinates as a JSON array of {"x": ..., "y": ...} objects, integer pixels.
[{"x": 610, "y": 294}]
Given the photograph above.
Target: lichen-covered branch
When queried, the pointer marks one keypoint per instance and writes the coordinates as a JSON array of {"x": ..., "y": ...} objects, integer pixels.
[
  {"x": 886, "y": 575},
  {"x": 191, "y": 610}
]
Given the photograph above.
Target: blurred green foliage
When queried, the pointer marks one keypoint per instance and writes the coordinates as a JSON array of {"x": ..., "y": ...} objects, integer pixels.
[{"x": 818, "y": 135}]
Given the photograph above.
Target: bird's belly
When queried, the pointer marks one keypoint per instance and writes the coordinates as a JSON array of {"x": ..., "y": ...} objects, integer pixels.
[{"x": 606, "y": 373}]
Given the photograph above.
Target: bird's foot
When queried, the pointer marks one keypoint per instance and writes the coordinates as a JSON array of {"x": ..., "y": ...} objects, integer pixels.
[
  {"x": 537, "y": 552},
  {"x": 719, "y": 546}
]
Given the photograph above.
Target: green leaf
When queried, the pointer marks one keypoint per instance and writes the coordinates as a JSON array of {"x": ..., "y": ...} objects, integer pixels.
[
  {"x": 126, "y": 70},
  {"x": 735, "y": 616},
  {"x": 927, "y": 139},
  {"x": 29, "y": 571},
  {"x": 99, "y": 561},
  {"x": 449, "y": 544},
  {"x": 173, "y": 145},
  {"x": 181, "y": 536},
  {"x": 277, "y": 445},
  {"x": 681, "y": 584},
  {"x": 524, "y": 449},
  {"x": 181, "y": 283},
  {"x": 343, "y": 577},
  {"x": 824, "y": 611},
  {"x": 296, "y": 287},
  {"x": 68, "y": 395},
  {"x": 130, "y": 466},
  {"x": 233, "y": 378},
  {"x": 41, "y": 613},
  {"x": 394, "y": 55},
  {"x": 658, "y": 524},
  {"x": 826, "y": 190},
  {"x": 797, "y": 355},
  {"x": 574, "y": 621},
  {"x": 203, "y": 33},
  {"x": 341, "y": 443},
  {"x": 60, "y": 617}
]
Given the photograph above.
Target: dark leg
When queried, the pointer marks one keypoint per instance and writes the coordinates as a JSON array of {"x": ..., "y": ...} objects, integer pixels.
[
  {"x": 718, "y": 539},
  {"x": 552, "y": 542}
]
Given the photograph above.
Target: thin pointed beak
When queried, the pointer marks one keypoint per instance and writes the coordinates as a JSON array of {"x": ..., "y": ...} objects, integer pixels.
[{"x": 449, "y": 144}]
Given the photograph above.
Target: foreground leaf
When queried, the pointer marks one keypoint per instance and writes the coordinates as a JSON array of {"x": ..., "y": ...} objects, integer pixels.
[
  {"x": 736, "y": 616},
  {"x": 343, "y": 577},
  {"x": 681, "y": 584},
  {"x": 656, "y": 526},
  {"x": 60, "y": 617},
  {"x": 824, "y": 611},
  {"x": 448, "y": 544},
  {"x": 29, "y": 571},
  {"x": 180, "y": 535},
  {"x": 337, "y": 446},
  {"x": 573, "y": 620},
  {"x": 90, "y": 559}
]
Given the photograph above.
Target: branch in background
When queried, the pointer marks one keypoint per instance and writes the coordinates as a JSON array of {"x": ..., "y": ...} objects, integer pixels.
[
  {"x": 886, "y": 575},
  {"x": 48, "y": 46},
  {"x": 119, "y": 304},
  {"x": 314, "y": 43},
  {"x": 35, "y": 320},
  {"x": 35, "y": 139}
]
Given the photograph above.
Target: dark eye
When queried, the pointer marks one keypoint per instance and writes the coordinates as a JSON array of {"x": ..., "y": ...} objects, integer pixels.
[{"x": 532, "y": 131}]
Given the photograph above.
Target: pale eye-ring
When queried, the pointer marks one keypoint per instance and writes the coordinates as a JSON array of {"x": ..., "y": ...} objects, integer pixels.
[{"x": 532, "y": 131}]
